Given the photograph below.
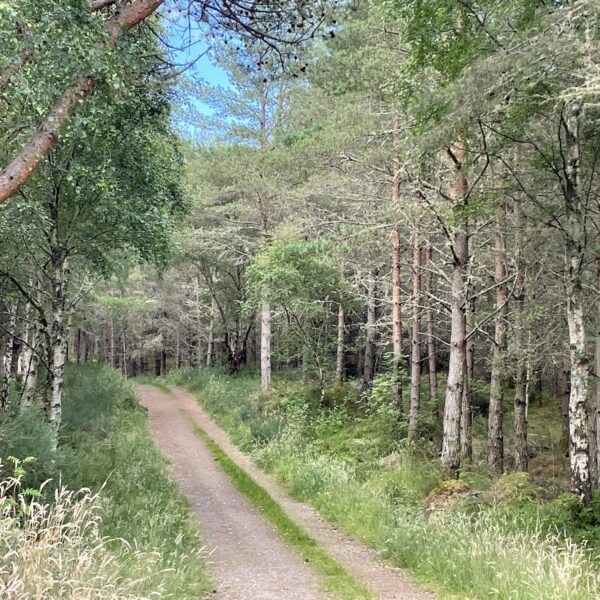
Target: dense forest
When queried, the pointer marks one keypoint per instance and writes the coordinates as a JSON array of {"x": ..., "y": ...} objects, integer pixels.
[{"x": 370, "y": 245}]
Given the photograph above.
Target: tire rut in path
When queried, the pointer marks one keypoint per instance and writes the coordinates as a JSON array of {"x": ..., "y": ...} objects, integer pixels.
[{"x": 249, "y": 560}]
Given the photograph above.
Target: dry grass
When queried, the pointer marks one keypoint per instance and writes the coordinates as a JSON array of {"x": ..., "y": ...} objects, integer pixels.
[{"x": 55, "y": 550}]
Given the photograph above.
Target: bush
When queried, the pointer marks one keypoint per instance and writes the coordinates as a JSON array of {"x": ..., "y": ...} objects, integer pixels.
[{"x": 28, "y": 435}]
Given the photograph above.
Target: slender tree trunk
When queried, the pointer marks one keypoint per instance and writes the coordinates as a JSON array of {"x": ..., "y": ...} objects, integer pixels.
[
  {"x": 415, "y": 356},
  {"x": 495, "y": 456},
  {"x": 124, "y": 352},
  {"x": 578, "y": 422},
  {"x": 431, "y": 353},
  {"x": 265, "y": 346},
  {"x": 370, "y": 346},
  {"x": 112, "y": 344},
  {"x": 521, "y": 378},
  {"x": 454, "y": 390},
  {"x": 210, "y": 346},
  {"x": 466, "y": 411},
  {"x": 596, "y": 410},
  {"x": 8, "y": 357},
  {"x": 59, "y": 337},
  {"x": 396, "y": 292},
  {"x": 29, "y": 357},
  {"x": 575, "y": 252},
  {"x": 341, "y": 332},
  {"x": 78, "y": 346}
]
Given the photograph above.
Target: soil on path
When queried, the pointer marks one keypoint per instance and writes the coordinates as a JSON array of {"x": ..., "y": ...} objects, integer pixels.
[
  {"x": 250, "y": 561},
  {"x": 225, "y": 529}
]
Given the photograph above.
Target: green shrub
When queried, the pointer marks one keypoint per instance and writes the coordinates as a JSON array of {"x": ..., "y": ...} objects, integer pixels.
[{"x": 28, "y": 435}]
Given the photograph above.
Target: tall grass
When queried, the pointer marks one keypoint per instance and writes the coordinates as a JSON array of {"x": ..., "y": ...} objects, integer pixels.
[
  {"x": 373, "y": 487},
  {"x": 133, "y": 524},
  {"x": 56, "y": 551}
]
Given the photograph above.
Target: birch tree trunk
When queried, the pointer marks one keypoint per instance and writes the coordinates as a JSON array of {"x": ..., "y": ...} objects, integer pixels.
[
  {"x": 575, "y": 251},
  {"x": 29, "y": 357},
  {"x": 466, "y": 412},
  {"x": 265, "y": 346},
  {"x": 341, "y": 331},
  {"x": 495, "y": 455},
  {"x": 596, "y": 416},
  {"x": 431, "y": 354},
  {"x": 521, "y": 388},
  {"x": 415, "y": 356},
  {"x": 8, "y": 356},
  {"x": 450, "y": 456},
  {"x": 59, "y": 337}
]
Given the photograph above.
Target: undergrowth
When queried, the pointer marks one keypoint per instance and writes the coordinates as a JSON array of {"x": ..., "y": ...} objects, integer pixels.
[
  {"x": 503, "y": 539},
  {"x": 138, "y": 523}
]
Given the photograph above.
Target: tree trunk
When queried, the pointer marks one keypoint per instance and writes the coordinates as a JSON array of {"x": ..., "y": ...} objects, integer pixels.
[
  {"x": 431, "y": 354},
  {"x": 113, "y": 364},
  {"x": 596, "y": 410},
  {"x": 396, "y": 292},
  {"x": 415, "y": 355},
  {"x": 575, "y": 252},
  {"x": 495, "y": 455},
  {"x": 396, "y": 310},
  {"x": 450, "y": 456},
  {"x": 59, "y": 330},
  {"x": 521, "y": 377},
  {"x": 9, "y": 351},
  {"x": 265, "y": 347},
  {"x": 341, "y": 331},
  {"x": 29, "y": 357},
  {"x": 370, "y": 347},
  {"x": 466, "y": 411}
]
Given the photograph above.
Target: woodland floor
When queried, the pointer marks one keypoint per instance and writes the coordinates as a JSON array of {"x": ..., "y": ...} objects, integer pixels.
[{"x": 249, "y": 559}]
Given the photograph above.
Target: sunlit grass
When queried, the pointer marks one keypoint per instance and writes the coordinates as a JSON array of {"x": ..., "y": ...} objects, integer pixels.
[{"x": 517, "y": 550}]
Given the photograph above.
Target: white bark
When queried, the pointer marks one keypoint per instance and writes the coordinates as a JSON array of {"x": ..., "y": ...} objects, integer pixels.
[
  {"x": 454, "y": 390},
  {"x": 265, "y": 346},
  {"x": 7, "y": 358},
  {"x": 575, "y": 251},
  {"x": 341, "y": 331}
]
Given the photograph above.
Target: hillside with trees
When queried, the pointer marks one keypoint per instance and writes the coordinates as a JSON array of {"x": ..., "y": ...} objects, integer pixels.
[{"x": 370, "y": 249}]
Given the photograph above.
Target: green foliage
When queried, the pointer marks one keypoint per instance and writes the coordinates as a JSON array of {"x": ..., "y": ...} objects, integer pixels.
[
  {"x": 28, "y": 435},
  {"x": 294, "y": 274},
  {"x": 106, "y": 445},
  {"x": 507, "y": 543}
]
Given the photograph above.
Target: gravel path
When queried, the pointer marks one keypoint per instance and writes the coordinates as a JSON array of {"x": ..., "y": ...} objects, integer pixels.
[{"x": 251, "y": 561}]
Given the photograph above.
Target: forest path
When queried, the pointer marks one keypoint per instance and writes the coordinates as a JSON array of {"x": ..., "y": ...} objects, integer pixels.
[{"x": 251, "y": 560}]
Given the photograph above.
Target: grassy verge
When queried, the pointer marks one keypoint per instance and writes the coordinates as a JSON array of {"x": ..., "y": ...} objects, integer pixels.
[
  {"x": 502, "y": 540},
  {"x": 149, "y": 544},
  {"x": 336, "y": 580}
]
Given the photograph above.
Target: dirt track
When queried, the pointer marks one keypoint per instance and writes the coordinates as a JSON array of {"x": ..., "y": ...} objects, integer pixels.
[{"x": 250, "y": 561}]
